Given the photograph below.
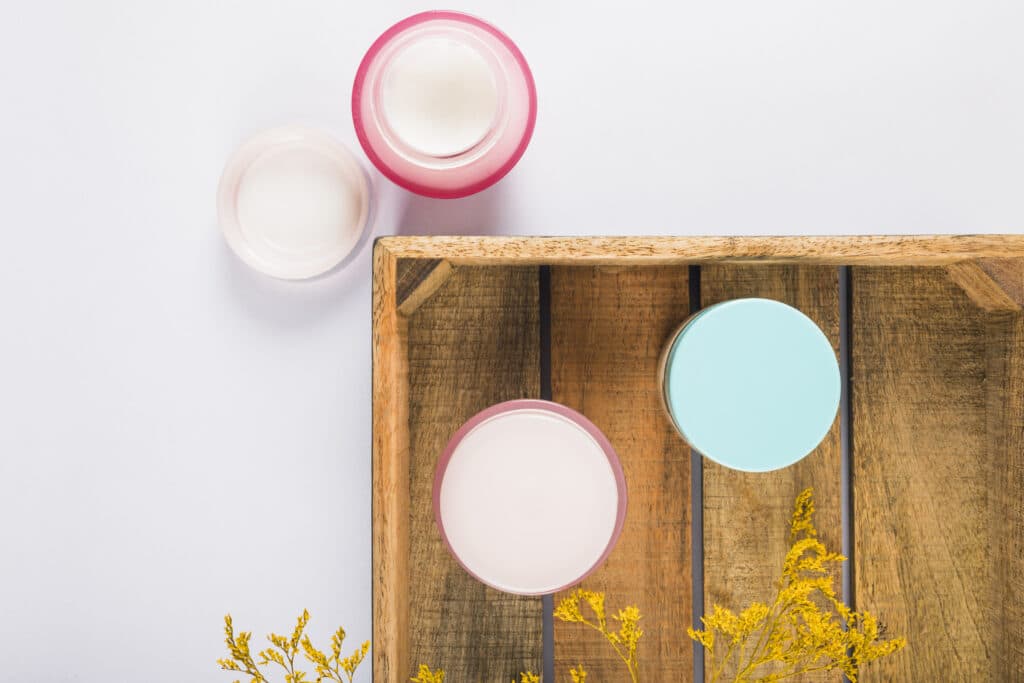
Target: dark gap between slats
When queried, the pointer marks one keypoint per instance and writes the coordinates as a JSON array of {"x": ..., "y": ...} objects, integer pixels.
[
  {"x": 696, "y": 513},
  {"x": 846, "y": 428},
  {"x": 846, "y": 431},
  {"x": 544, "y": 317}
]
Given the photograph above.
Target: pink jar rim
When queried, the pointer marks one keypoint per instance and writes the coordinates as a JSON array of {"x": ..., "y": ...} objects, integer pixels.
[
  {"x": 573, "y": 416},
  {"x": 419, "y": 187}
]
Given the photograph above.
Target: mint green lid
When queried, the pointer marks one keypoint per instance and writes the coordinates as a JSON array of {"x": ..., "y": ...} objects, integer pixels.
[{"x": 752, "y": 384}]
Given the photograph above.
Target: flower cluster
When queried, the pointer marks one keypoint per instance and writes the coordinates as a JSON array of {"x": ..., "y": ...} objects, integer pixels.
[
  {"x": 285, "y": 650},
  {"x": 624, "y": 640},
  {"x": 805, "y": 628}
]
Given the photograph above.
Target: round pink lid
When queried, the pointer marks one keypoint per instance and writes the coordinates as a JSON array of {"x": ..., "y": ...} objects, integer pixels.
[{"x": 529, "y": 497}]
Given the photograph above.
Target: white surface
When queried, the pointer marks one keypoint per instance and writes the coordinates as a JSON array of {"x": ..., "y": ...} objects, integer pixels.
[
  {"x": 529, "y": 484},
  {"x": 181, "y": 436},
  {"x": 439, "y": 96},
  {"x": 293, "y": 202}
]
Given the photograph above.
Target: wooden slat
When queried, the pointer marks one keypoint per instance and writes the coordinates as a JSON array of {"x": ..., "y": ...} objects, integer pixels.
[
  {"x": 472, "y": 344},
  {"x": 747, "y": 515},
  {"x": 608, "y": 329},
  {"x": 1004, "y": 373},
  {"x": 653, "y": 251},
  {"x": 929, "y": 554}
]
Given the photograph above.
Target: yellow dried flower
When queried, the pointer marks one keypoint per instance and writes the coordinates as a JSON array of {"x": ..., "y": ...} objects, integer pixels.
[
  {"x": 284, "y": 651},
  {"x": 238, "y": 647},
  {"x": 803, "y": 516},
  {"x": 350, "y": 663},
  {"x": 568, "y": 610},
  {"x": 425, "y": 675},
  {"x": 806, "y": 628},
  {"x": 578, "y": 674},
  {"x": 624, "y": 641}
]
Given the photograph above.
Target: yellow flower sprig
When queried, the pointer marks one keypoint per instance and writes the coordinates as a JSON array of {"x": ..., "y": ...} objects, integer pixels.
[
  {"x": 241, "y": 658},
  {"x": 284, "y": 651},
  {"x": 624, "y": 641},
  {"x": 806, "y": 628},
  {"x": 332, "y": 667}
]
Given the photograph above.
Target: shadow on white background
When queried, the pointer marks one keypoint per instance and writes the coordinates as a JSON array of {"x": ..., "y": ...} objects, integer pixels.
[{"x": 478, "y": 214}]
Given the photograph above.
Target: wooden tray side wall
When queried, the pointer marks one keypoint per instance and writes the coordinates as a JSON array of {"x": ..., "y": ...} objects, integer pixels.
[
  {"x": 390, "y": 478},
  {"x": 888, "y": 250}
]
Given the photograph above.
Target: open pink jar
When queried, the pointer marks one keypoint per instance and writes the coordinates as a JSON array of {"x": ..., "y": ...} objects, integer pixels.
[
  {"x": 529, "y": 497},
  {"x": 444, "y": 104}
]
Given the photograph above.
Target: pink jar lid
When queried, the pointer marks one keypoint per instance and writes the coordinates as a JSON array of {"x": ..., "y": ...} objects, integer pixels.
[
  {"x": 529, "y": 497},
  {"x": 444, "y": 104}
]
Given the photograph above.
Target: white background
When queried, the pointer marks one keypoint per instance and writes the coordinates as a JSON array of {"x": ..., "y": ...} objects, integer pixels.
[{"x": 181, "y": 437}]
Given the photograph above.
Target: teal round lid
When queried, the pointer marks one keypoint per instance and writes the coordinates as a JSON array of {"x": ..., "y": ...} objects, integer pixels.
[{"x": 752, "y": 384}]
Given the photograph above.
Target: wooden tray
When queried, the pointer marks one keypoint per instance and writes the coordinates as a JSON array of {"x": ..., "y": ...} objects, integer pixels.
[{"x": 934, "y": 492}]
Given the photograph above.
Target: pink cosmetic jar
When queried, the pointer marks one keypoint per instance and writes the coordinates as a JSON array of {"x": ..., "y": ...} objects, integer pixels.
[
  {"x": 529, "y": 497},
  {"x": 444, "y": 104}
]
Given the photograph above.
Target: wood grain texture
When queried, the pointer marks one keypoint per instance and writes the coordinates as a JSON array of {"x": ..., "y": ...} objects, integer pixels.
[
  {"x": 852, "y": 250},
  {"x": 416, "y": 280},
  {"x": 929, "y": 478},
  {"x": 983, "y": 288},
  {"x": 474, "y": 343},
  {"x": 608, "y": 329},
  {"x": 747, "y": 515},
  {"x": 1005, "y": 434},
  {"x": 390, "y": 477},
  {"x": 938, "y": 429},
  {"x": 1008, "y": 274}
]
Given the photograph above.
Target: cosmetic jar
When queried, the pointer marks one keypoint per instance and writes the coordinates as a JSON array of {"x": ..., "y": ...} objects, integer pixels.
[
  {"x": 529, "y": 497},
  {"x": 752, "y": 384},
  {"x": 293, "y": 202},
  {"x": 444, "y": 104}
]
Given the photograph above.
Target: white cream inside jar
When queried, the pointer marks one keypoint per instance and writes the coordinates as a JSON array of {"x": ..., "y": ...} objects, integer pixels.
[
  {"x": 530, "y": 483},
  {"x": 440, "y": 96}
]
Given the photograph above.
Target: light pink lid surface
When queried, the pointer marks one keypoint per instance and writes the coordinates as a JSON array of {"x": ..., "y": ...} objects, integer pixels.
[
  {"x": 293, "y": 202},
  {"x": 484, "y": 163},
  {"x": 547, "y": 564}
]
